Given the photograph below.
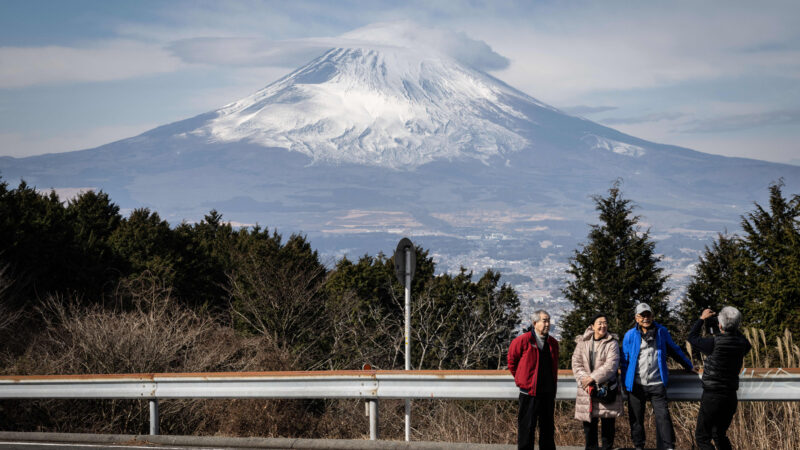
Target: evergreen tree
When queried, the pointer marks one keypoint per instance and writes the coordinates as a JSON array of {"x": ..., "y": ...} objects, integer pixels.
[
  {"x": 759, "y": 272},
  {"x": 772, "y": 241},
  {"x": 94, "y": 218},
  {"x": 147, "y": 243},
  {"x": 718, "y": 281},
  {"x": 613, "y": 272},
  {"x": 36, "y": 241},
  {"x": 207, "y": 249}
]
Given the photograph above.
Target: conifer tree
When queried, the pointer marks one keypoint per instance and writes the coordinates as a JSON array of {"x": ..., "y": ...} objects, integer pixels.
[
  {"x": 772, "y": 241},
  {"x": 719, "y": 280},
  {"x": 613, "y": 272},
  {"x": 759, "y": 272}
]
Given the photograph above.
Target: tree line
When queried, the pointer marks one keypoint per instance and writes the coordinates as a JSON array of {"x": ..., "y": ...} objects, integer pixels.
[{"x": 86, "y": 253}]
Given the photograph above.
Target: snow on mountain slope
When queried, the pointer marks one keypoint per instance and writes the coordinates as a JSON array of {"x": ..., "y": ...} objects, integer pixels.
[{"x": 380, "y": 106}]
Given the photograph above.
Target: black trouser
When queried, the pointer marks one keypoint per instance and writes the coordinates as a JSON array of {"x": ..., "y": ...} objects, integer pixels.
[
  {"x": 716, "y": 413},
  {"x": 532, "y": 410},
  {"x": 657, "y": 395},
  {"x": 607, "y": 431}
]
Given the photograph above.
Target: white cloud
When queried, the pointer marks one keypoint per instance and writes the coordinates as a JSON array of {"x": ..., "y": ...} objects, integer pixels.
[
  {"x": 457, "y": 45},
  {"x": 116, "y": 60},
  {"x": 295, "y": 52},
  {"x": 567, "y": 52}
]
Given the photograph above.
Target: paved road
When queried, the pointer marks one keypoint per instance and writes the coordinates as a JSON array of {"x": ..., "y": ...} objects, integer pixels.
[
  {"x": 55, "y": 445},
  {"x": 51, "y": 441}
]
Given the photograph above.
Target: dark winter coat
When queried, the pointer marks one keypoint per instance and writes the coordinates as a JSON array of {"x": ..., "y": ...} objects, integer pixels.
[{"x": 725, "y": 357}]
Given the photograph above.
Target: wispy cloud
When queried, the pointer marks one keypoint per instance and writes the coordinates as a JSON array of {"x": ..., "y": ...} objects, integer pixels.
[
  {"x": 585, "y": 110},
  {"x": 745, "y": 121},
  {"x": 567, "y": 51},
  {"x": 655, "y": 117},
  {"x": 28, "y": 66}
]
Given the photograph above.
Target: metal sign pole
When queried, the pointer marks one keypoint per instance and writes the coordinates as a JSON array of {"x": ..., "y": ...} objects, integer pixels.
[
  {"x": 405, "y": 262},
  {"x": 408, "y": 336}
]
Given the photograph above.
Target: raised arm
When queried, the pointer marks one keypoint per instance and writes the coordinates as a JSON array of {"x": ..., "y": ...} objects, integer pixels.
[{"x": 705, "y": 345}]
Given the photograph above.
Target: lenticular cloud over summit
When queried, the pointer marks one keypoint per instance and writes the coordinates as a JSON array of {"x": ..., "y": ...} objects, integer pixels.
[
  {"x": 456, "y": 45},
  {"x": 294, "y": 52}
]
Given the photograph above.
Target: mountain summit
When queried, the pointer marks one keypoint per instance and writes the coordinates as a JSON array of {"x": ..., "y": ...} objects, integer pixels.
[{"x": 380, "y": 106}]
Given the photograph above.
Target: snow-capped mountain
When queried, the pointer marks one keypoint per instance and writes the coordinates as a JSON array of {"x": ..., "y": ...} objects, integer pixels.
[
  {"x": 376, "y": 140},
  {"x": 388, "y": 107}
]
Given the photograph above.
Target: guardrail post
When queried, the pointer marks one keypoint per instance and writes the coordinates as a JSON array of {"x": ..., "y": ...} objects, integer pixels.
[
  {"x": 374, "y": 432},
  {"x": 154, "y": 416}
]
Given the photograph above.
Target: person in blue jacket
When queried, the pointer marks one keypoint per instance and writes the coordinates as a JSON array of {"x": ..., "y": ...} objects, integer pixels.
[{"x": 644, "y": 375}]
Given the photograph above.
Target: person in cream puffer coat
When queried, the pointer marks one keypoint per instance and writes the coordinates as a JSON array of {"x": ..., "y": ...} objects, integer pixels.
[{"x": 597, "y": 343}]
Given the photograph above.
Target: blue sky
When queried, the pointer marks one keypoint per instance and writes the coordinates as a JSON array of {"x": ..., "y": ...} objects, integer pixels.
[{"x": 721, "y": 77}]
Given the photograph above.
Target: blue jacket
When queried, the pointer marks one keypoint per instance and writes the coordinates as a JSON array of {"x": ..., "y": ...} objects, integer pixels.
[{"x": 632, "y": 343}]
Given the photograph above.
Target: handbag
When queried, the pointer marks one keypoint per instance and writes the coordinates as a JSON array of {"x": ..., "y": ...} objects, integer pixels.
[{"x": 607, "y": 392}]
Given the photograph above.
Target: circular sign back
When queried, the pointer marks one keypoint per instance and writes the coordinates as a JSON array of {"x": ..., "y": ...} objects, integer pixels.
[{"x": 400, "y": 259}]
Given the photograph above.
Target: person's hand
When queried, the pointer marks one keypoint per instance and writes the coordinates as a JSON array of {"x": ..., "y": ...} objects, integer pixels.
[
  {"x": 695, "y": 370},
  {"x": 586, "y": 381},
  {"x": 707, "y": 313}
]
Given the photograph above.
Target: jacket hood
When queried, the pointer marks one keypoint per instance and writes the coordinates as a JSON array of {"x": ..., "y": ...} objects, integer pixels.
[{"x": 589, "y": 334}]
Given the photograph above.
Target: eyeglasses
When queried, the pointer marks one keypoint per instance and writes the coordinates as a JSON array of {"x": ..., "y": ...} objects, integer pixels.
[
  {"x": 645, "y": 314},
  {"x": 601, "y": 323}
]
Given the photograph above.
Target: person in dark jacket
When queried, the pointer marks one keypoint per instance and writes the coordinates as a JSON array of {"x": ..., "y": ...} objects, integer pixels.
[
  {"x": 725, "y": 351},
  {"x": 533, "y": 360},
  {"x": 645, "y": 376}
]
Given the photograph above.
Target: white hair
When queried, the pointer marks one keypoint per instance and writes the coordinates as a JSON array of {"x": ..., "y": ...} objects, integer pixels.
[
  {"x": 537, "y": 315},
  {"x": 729, "y": 318}
]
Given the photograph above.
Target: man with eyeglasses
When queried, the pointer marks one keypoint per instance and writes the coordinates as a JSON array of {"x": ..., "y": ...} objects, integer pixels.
[{"x": 644, "y": 375}]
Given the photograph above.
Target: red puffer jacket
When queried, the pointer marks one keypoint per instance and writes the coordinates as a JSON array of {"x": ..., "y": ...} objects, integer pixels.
[{"x": 523, "y": 361}]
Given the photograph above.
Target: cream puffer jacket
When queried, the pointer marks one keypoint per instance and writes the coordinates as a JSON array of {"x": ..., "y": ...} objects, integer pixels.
[{"x": 605, "y": 369}]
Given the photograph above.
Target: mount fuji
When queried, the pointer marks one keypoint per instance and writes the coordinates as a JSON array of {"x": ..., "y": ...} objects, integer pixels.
[{"x": 373, "y": 141}]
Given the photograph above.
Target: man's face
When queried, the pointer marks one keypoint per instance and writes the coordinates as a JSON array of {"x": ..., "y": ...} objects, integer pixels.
[
  {"x": 542, "y": 326},
  {"x": 645, "y": 319}
]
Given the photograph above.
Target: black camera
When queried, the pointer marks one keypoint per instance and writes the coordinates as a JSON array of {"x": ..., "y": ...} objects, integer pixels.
[{"x": 712, "y": 325}]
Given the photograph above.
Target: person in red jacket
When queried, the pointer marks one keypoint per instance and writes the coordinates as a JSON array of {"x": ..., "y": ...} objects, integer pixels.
[{"x": 533, "y": 360}]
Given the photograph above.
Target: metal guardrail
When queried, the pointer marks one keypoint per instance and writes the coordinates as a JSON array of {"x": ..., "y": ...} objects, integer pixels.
[{"x": 369, "y": 385}]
